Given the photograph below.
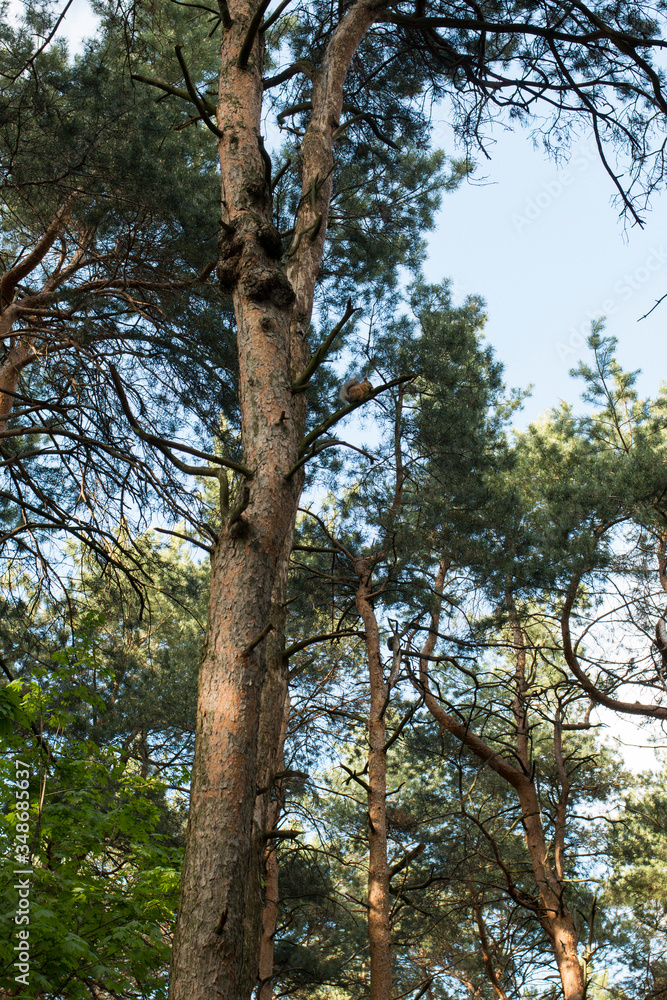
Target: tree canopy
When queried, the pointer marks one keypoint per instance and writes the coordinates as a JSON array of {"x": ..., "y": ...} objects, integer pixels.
[{"x": 368, "y": 643}]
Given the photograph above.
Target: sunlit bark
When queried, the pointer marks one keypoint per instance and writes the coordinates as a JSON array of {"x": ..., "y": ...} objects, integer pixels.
[{"x": 217, "y": 939}]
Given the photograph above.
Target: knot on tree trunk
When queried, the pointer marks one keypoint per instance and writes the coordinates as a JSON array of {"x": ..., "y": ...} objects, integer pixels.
[
  {"x": 248, "y": 261},
  {"x": 268, "y": 238},
  {"x": 230, "y": 247},
  {"x": 362, "y": 566},
  {"x": 260, "y": 283}
]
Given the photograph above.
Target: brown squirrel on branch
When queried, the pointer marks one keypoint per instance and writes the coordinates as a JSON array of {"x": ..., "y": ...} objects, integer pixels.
[{"x": 354, "y": 390}]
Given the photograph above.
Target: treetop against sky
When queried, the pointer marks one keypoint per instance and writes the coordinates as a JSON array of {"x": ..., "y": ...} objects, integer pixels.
[
  {"x": 128, "y": 331},
  {"x": 553, "y": 253}
]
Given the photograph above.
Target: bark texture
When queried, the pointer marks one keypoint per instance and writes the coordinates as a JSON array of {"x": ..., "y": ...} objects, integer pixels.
[
  {"x": 242, "y": 686},
  {"x": 217, "y": 938}
]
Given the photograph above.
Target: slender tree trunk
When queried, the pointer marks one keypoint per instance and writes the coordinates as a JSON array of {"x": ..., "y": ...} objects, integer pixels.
[
  {"x": 556, "y": 919},
  {"x": 555, "y": 916},
  {"x": 379, "y": 872},
  {"x": 487, "y": 956},
  {"x": 271, "y": 907},
  {"x": 269, "y": 923},
  {"x": 379, "y": 898}
]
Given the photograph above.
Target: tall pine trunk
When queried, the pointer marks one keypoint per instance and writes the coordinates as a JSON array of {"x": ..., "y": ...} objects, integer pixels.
[{"x": 242, "y": 685}]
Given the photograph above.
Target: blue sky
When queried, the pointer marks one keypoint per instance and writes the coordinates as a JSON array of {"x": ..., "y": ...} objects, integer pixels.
[{"x": 544, "y": 246}]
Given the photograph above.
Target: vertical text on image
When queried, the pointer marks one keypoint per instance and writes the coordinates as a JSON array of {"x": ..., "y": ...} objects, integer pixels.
[{"x": 22, "y": 872}]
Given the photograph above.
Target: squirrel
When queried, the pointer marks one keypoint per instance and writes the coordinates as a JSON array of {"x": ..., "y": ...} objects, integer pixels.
[{"x": 354, "y": 390}]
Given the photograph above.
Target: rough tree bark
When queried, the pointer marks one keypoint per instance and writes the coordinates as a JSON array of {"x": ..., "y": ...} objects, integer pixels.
[{"x": 216, "y": 945}]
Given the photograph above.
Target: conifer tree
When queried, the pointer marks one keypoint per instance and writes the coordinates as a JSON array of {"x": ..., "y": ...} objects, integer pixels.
[{"x": 358, "y": 80}]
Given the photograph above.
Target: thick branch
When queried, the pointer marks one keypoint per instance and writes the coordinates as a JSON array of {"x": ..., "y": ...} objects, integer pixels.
[
  {"x": 22, "y": 268},
  {"x": 593, "y": 692},
  {"x": 320, "y": 354},
  {"x": 339, "y": 414}
]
